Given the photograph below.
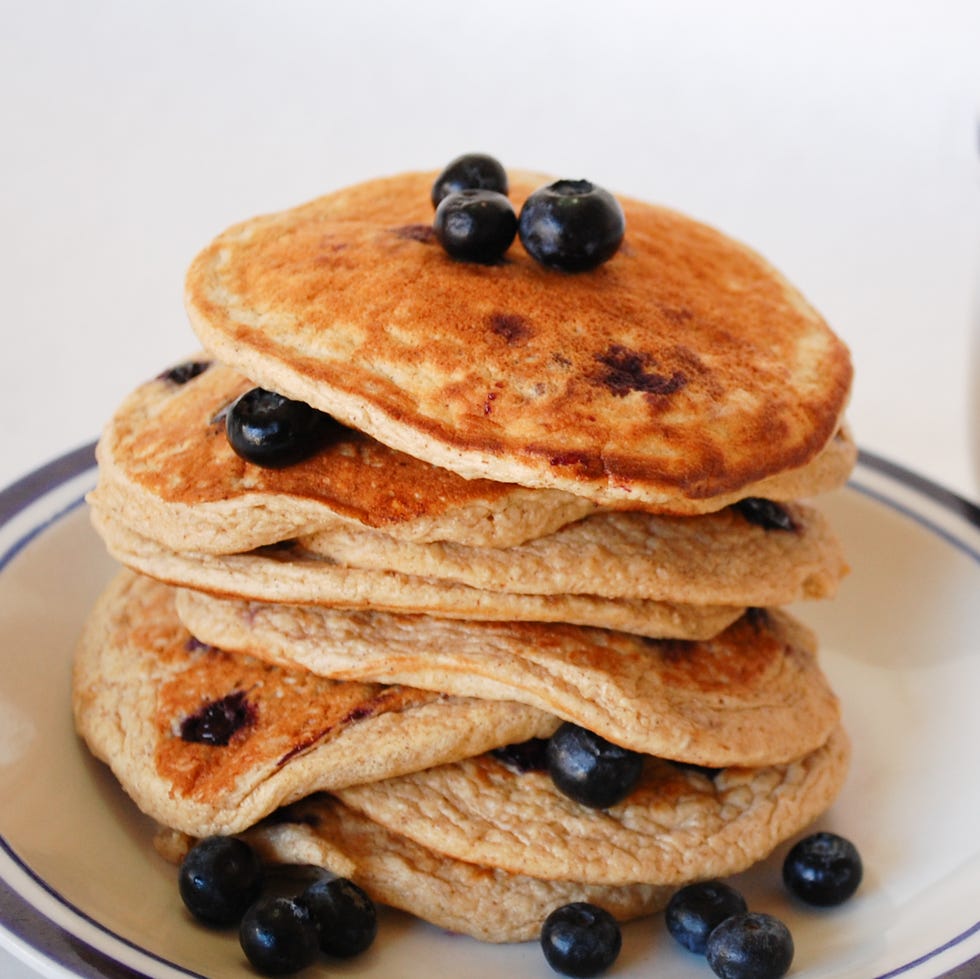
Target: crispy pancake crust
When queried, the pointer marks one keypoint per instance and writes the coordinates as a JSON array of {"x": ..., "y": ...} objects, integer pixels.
[
  {"x": 684, "y": 369},
  {"x": 140, "y": 680}
]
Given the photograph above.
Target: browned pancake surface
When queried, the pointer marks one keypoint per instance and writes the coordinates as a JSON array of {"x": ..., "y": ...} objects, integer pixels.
[
  {"x": 206, "y": 741},
  {"x": 684, "y": 368},
  {"x": 675, "y": 826},
  {"x": 166, "y": 463}
]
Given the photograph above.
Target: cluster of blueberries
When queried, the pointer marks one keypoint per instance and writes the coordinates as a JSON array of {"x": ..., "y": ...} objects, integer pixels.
[
  {"x": 221, "y": 883},
  {"x": 221, "y": 879},
  {"x": 570, "y": 225},
  {"x": 712, "y": 918}
]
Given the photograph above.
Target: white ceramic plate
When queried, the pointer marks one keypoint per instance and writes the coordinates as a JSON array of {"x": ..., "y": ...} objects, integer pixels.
[{"x": 82, "y": 892}]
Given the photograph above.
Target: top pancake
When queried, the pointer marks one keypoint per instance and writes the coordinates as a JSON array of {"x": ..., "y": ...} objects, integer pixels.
[{"x": 684, "y": 369}]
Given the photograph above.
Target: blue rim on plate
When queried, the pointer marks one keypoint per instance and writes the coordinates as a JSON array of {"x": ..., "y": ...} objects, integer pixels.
[{"x": 33, "y": 930}]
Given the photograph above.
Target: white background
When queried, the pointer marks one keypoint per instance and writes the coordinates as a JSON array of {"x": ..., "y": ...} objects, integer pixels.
[{"x": 839, "y": 138}]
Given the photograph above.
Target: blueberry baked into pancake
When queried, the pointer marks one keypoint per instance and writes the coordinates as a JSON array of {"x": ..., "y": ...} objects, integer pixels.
[{"x": 456, "y": 565}]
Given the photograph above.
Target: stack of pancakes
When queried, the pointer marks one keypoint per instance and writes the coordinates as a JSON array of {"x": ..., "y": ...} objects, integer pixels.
[{"x": 544, "y": 498}]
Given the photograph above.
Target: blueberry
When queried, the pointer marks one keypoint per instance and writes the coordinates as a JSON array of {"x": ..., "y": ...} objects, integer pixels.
[
  {"x": 580, "y": 939},
  {"x": 591, "y": 770},
  {"x": 219, "y": 878},
  {"x": 475, "y": 225},
  {"x": 765, "y": 513},
  {"x": 571, "y": 225},
  {"x": 472, "y": 171},
  {"x": 525, "y": 756},
  {"x": 270, "y": 430},
  {"x": 750, "y": 946},
  {"x": 218, "y": 721},
  {"x": 345, "y": 917},
  {"x": 695, "y": 910},
  {"x": 187, "y": 371},
  {"x": 278, "y": 936},
  {"x": 823, "y": 869}
]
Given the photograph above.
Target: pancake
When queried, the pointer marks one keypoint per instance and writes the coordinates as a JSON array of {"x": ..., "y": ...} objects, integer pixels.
[
  {"x": 719, "y": 558},
  {"x": 682, "y": 373},
  {"x": 754, "y": 695},
  {"x": 482, "y": 902},
  {"x": 166, "y": 465},
  {"x": 679, "y": 826},
  {"x": 676, "y": 826},
  {"x": 207, "y": 742},
  {"x": 287, "y": 574}
]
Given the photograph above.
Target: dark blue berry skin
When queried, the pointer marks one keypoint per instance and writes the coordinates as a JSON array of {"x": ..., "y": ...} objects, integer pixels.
[
  {"x": 750, "y": 946},
  {"x": 765, "y": 513},
  {"x": 475, "y": 225},
  {"x": 472, "y": 171},
  {"x": 219, "y": 878},
  {"x": 571, "y": 225},
  {"x": 580, "y": 939},
  {"x": 591, "y": 770},
  {"x": 272, "y": 431},
  {"x": 525, "y": 756},
  {"x": 218, "y": 721},
  {"x": 278, "y": 936},
  {"x": 823, "y": 869},
  {"x": 345, "y": 917},
  {"x": 187, "y": 371},
  {"x": 694, "y": 911}
]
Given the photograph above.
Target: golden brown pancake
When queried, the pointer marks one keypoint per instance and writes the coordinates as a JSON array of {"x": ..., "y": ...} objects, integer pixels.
[
  {"x": 434, "y": 846},
  {"x": 676, "y": 826},
  {"x": 683, "y": 371},
  {"x": 209, "y": 742},
  {"x": 165, "y": 466},
  {"x": 288, "y": 574},
  {"x": 754, "y": 695},
  {"x": 714, "y": 558}
]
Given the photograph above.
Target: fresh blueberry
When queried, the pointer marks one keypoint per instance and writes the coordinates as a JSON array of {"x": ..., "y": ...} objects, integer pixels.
[
  {"x": 278, "y": 936},
  {"x": 750, "y": 946},
  {"x": 591, "y": 770},
  {"x": 580, "y": 939},
  {"x": 823, "y": 869},
  {"x": 525, "y": 756},
  {"x": 475, "y": 225},
  {"x": 270, "y": 430},
  {"x": 695, "y": 910},
  {"x": 472, "y": 171},
  {"x": 219, "y": 878},
  {"x": 571, "y": 225},
  {"x": 345, "y": 917}
]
